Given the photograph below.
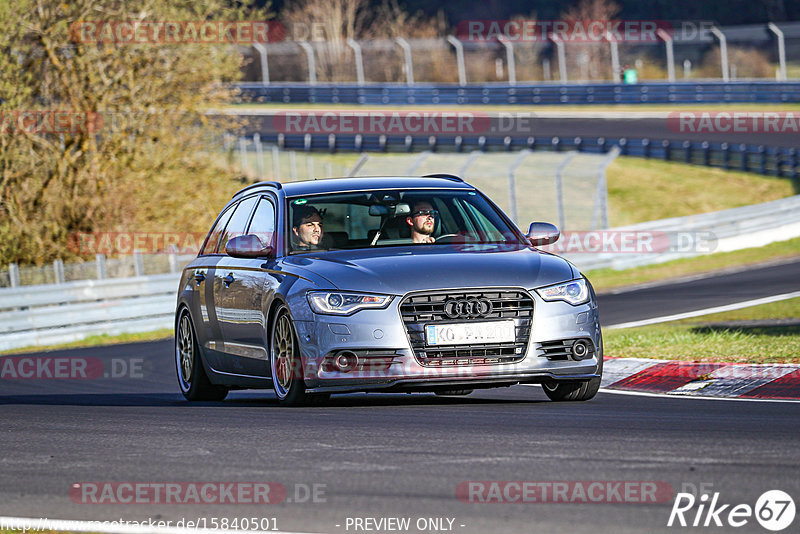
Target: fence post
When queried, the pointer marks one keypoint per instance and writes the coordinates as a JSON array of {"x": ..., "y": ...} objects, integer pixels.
[
  {"x": 615, "y": 68},
  {"x": 646, "y": 148},
  {"x": 743, "y": 165},
  {"x": 312, "y": 65},
  {"x": 262, "y": 51},
  {"x": 359, "y": 60},
  {"x": 706, "y": 153},
  {"x": 293, "y": 165},
  {"x": 462, "y": 70},
  {"x": 562, "y": 57},
  {"x": 259, "y": 155},
  {"x": 243, "y": 153},
  {"x": 409, "y": 65},
  {"x": 667, "y": 38},
  {"x": 138, "y": 263},
  {"x": 512, "y": 64},
  {"x": 100, "y": 263},
  {"x": 600, "y": 210},
  {"x": 762, "y": 159},
  {"x": 512, "y": 184},
  {"x": 560, "y": 188},
  {"x": 667, "y": 149},
  {"x": 362, "y": 159},
  {"x": 475, "y": 154},
  {"x": 781, "y": 49},
  {"x": 58, "y": 269},
  {"x": 418, "y": 163},
  {"x": 687, "y": 157},
  {"x": 13, "y": 274},
  {"x": 726, "y": 155},
  {"x": 276, "y": 164},
  {"x": 173, "y": 259},
  {"x": 310, "y": 167},
  {"x": 723, "y": 51}
]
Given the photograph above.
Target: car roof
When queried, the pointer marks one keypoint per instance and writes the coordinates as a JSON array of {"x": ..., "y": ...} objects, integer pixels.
[{"x": 365, "y": 183}]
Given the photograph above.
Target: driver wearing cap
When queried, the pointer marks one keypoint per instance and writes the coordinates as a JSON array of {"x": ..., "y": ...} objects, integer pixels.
[{"x": 306, "y": 228}]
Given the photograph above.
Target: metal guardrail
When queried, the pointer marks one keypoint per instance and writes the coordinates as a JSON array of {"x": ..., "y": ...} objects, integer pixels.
[
  {"x": 720, "y": 231},
  {"x": 523, "y": 93},
  {"x": 60, "y": 313},
  {"x": 47, "y": 314},
  {"x": 767, "y": 160}
]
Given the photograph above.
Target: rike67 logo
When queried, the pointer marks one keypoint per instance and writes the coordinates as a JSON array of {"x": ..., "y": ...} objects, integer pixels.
[{"x": 774, "y": 510}]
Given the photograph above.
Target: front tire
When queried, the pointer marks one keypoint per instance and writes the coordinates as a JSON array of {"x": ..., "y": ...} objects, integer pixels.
[
  {"x": 576, "y": 391},
  {"x": 286, "y": 365},
  {"x": 192, "y": 378},
  {"x": 571, "y": 391}
]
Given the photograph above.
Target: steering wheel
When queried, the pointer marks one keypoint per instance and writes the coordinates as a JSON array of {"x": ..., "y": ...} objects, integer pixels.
[{"x": 445, "y": 236}]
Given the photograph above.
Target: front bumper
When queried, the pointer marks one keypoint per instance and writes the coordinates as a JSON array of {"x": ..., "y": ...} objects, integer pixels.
[{"x": 382, "y": 333}]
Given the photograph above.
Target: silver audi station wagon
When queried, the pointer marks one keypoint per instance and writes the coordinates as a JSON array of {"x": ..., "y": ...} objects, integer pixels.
[{"x": 381, "y": 284}]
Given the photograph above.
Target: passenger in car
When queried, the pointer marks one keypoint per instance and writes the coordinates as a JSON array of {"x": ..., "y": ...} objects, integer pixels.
[
  {"x": 422, "y": 221},
  {"x": 306, "y": 228}
]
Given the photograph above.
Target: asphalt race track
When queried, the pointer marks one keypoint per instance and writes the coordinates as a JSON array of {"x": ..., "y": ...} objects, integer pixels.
[
  {"x": 396, "y": 455},
  {"x": 700, "y": 292}
]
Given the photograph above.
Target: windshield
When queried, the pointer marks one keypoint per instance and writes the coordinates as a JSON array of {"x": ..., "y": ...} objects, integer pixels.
[{"x": 393, "y": 218}]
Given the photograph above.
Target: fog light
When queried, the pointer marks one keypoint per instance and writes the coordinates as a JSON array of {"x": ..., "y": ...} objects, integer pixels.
[
  {"x": 579, "y": 350},
  {"x": 345, "y": 361}
]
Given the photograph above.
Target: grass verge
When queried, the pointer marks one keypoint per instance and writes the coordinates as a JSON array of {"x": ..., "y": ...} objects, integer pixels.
[
  {"x": 607, "y": 279},
  {"x": 749, "y": 335},
  {"x": 98, "y": 341}
]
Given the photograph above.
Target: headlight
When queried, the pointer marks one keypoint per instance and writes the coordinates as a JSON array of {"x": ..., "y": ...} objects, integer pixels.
[
  {"x": 343, "y": 303},
  {"x": 575, "y": 292}
]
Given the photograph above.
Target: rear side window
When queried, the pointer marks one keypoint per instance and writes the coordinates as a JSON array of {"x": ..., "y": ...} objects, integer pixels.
[
  {"x": 216, "y": 232},
  {"x": 238, "y": 222},
  {"x": 263, "y": 224}
]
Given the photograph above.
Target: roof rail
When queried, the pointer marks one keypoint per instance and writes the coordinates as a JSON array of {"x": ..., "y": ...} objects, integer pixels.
[
  {"x": 276, "y": 185},
  {"x": 446, "y": 176}
]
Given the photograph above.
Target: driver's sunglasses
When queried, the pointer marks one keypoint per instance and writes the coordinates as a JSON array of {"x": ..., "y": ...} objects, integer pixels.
[{"x": 426, "y": 213}]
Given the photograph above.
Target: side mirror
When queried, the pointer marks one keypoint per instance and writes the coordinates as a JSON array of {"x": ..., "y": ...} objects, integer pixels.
[
  {"x": 247, "y": 246},
  {"x": 542, "y": 233}
]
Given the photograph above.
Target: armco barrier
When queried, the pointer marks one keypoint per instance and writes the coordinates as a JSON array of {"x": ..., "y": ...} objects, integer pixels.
[
  {"x": 523, "y": 93},
  {"x": 60, "y": 313},
  {"x": 48, "y": 314},
  {"x": 773, "y": 161}
]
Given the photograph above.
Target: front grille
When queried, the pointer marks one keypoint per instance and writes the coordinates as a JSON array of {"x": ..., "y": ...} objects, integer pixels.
[{"x": 419, "y": 310}]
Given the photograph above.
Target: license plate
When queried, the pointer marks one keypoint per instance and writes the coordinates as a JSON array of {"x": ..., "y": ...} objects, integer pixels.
[{"x": 470, "y": 333}]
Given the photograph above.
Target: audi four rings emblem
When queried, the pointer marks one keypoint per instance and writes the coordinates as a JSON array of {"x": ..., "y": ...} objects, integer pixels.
[{"x": 470, "y": 307}]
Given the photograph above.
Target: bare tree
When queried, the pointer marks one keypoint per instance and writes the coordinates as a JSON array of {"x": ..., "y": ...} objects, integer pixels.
[{"x": 592, "y": 60}]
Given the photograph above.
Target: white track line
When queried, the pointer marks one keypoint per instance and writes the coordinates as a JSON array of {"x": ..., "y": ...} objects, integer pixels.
[
  {"x": 113, "y": 527},
  {"x": 706, "y": 311},
  {"x": 692, "y": 397}
]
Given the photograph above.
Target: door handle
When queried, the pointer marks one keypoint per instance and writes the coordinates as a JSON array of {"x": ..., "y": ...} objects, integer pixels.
[
  {"x": 228, "y": 279},
  {"x": 199, "y": 277}
]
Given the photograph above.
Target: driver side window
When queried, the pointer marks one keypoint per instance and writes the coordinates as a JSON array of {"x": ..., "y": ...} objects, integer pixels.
[{"x": 238, "y": 223}]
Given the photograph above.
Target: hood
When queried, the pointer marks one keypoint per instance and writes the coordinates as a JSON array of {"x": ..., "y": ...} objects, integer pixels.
[{"x": 398, "y": 270}]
